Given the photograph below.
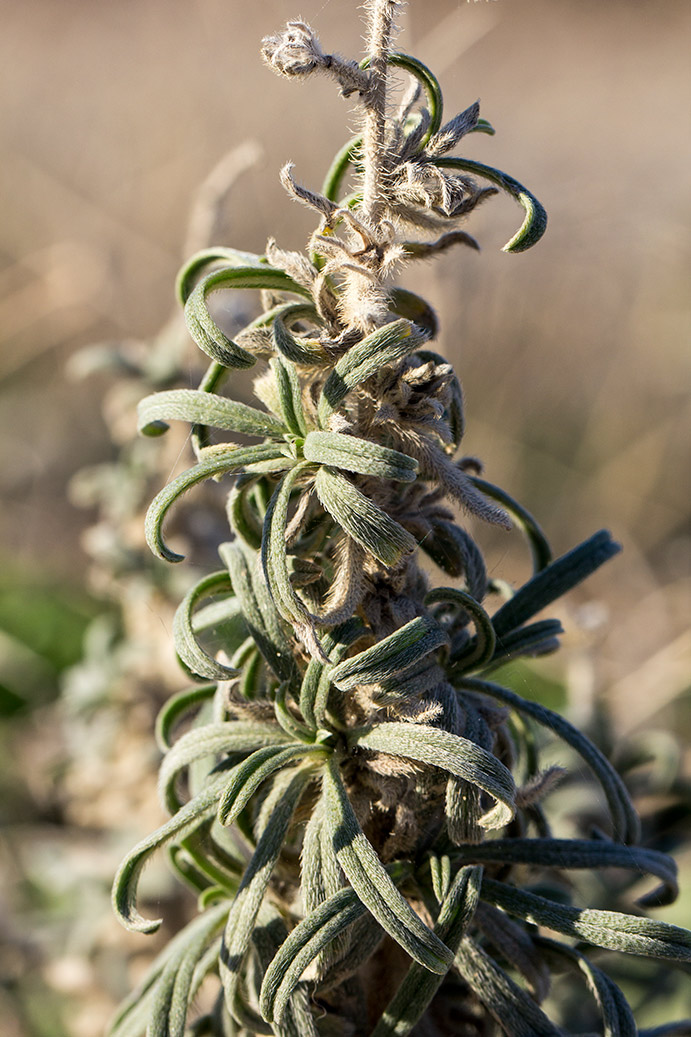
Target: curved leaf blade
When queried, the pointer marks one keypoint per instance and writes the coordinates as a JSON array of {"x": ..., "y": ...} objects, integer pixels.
[
  {"x": 384, "y": 346},
  {"x": 373, "y": 884},
  {"x": 608, "y": 929},
  {"x": 204, "y": 408},
  {"x": 419, "y": 986},
  {"x": 457, "y": 755},
  {"x": 625, "y": 820},
  {"x": 187, "y": 646},
  {"x": 359, "y": 455},
  {"x": 535, "y": 221},
  {"x": 393, "y": 654},
  {"x": 220, "y": 462},
  {"x": 362, "y": 519}
]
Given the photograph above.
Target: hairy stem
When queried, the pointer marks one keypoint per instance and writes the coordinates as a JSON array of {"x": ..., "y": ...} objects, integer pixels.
[{"x": 380, "y": 19}]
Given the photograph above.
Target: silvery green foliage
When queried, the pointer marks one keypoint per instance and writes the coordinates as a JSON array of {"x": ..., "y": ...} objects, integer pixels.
[{"x": 349, "y": 776}]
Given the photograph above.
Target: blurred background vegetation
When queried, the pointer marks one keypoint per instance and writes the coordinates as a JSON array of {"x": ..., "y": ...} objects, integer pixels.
[{"x": 574, "y": 360}]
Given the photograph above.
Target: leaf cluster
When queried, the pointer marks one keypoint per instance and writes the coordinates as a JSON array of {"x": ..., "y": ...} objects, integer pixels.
[{"x": 347, "y": 776}]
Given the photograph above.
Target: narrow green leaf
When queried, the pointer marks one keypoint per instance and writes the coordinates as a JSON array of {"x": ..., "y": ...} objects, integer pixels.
[
  {"x": 458, "y": 755},
  {"x": 207, "y": 334},
  {"x": 187, "y": 819},
  {"x": 580, "y": 853},
  {"x": 247, "y": 903},
  {"x": 250, "y": 681},
  {"x": 237, "y": 736},
  {"x": 509, "y": 1005},
  {"x": 533, "y": 639},
  {"x": 555, "y": 580},
  {"x": 262, "y": 620},
  {"x": 481, "y": 648},
  {"x": 430, "y": 84},
  {"x": 242, "y": 512},
  {"x": 414, "y": 682},
  {"x": 535, "y": 222},
  {"x": 365, "y": 938},
  {"x": 274, "y": 552},
  {"x": 483, "y": 127},
  {"x": 226, "y": 613},
  {"x": 222, "y": 864},
  {"x": 262, "y": 278},
  {"x": 362, "y": 519},
  {"x": 298, "y": 349},
  {"x": 331, "y": 188},
  {"x": 289, "y": 394},
  {"x": 289, "y": 312},
  {"x": 359, "y": 455},
  {"x": 440, "y": 873},
  {"x": 204, "y": 408},
  {"x": 133, "y": 1014},
  {"x": 309, "y": 938},
  {"x": 335, "y": 644},
  {"x": 174, "y": 989},
  {"x": 175, "y": 709},
  {"x": 194, "y": 266},
  {"x": 419, "y": 986},
  {"x": 539, "y": 545},
  {"x": 455, "y": 551},
  {"x": 286, "y": 720},
  {"x": 246, "y": 777},
  {"x": 268, "y": 935},
  {"x": 625, "y": 822},
  {"x": 391, "y": 655},
  {"x": 202, "y": 327},
  {"x": 320, "y": 878},
  {"x": 609, "y": 929},
  {"x": 386, "y": 345},
  {"x": 616, "y": 1014},
  {"x": 218, "y": 463},
  {"x": 373, "y": 884},
  {"x": 186, "y": 644},
  {"x": 414, "y": 308}
]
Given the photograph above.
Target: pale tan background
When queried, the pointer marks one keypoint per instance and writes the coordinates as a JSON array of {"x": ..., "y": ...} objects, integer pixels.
[{"x": 574, "y": 357}]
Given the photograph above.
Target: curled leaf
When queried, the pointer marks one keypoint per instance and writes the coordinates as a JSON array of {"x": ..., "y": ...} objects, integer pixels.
[
  {"x": 204, "y": 408},
  {"x": 246, "y": 777},
  {"x": 507, "y": 1003},
  {"x": 212, "y": 740},
  {"x": 391, "y": 655},
  {"x": 251, "y": 894},
  {"x": 625, "y": 820},
  {"x": 384, "y": 346},
  {"x": 481, "y": 648},
  {"x": 581, "y": 853},
  {"x": 372, "y": 883},
  {"x": 359, "y": 455},
  {"x": 309, "y": 938},
  {"x": 187, "y": 646},
  {"x": 555, "y": 580},
  {"x": 361, "y": 518},
  {"x": 457, "y": 755},
  {"x": 608, "y": 929},
  {"x": 419, "y": 986},
  {"x": 190, "y": 817},
  {"x": 535, "y": 222},
  {"x": 220, "y": 462}
]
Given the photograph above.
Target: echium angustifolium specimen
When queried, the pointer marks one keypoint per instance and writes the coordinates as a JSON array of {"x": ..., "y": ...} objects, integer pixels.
[{"x": 356, "y": 803}]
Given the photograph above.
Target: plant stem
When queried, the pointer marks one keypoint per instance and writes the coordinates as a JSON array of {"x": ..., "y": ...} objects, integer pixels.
[{"x": 380, "y": 20}]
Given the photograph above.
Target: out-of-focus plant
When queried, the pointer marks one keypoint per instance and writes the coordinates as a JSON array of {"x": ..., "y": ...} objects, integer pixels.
[{"x": 356, "y": 802}]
